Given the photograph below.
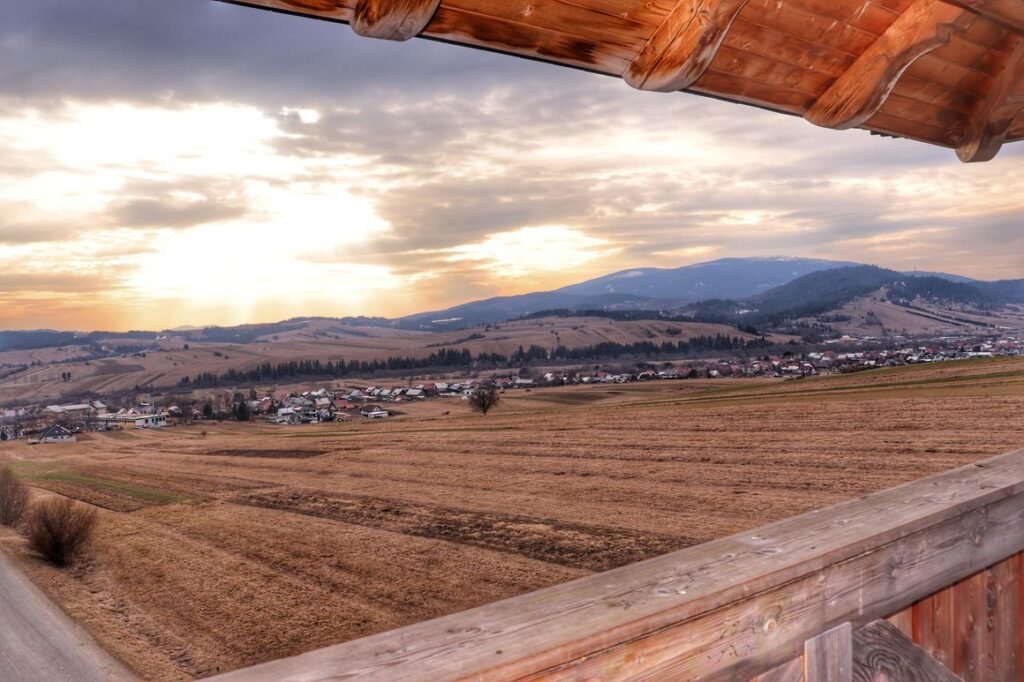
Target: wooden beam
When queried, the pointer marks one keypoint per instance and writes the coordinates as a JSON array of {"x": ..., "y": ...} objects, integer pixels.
[
  {"x": 829, "y": 656},
  {"x": 882, "y": 652},
  {"x": 682, "y": 48},
  {"x": 989, "y": 125},
  {"x": 861, "y": 91},
  {"x": 393, "y": 19},
  {"x": 1009, "y": 13}
]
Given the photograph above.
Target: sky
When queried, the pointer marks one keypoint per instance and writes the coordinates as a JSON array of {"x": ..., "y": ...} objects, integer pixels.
[{"x": 167, "y": 163}]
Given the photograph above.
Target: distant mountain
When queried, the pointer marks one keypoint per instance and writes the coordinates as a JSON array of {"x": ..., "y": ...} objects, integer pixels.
[
  {"x": 641, "y": 288},
  {"x": 760, "y": 291},
  {"x": 1010, "y": 290},
  {"x": 826, "y": 290},
  {"x": 731, "y": 278},
  {"x": 504, "y": 308},
  {"x": 723, "y": 281},
  {"x": 941, "y": 275}
]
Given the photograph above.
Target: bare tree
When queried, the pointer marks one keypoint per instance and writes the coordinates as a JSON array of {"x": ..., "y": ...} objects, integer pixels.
[
  {"x": 13, "y": 497},
  {"x": 59, "y": 529},
  {"x": 484, "y": 398}
]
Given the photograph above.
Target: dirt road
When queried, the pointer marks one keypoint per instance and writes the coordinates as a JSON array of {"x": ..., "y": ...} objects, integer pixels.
[{"x": 39, "y": 642}]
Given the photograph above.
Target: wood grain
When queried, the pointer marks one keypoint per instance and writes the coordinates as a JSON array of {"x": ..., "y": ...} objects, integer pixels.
[
  {"x": 882, "y": 652},
  {"x": 933, "y": 626},
  {"x": 860, "y": 92},
  {"x": 787, "y": 672},
  {"x": 683, "y": 47},
  {"x": 918, "y": 69},
  {"x": 989, "y": 126},
  {"x": 829, "y": 656},
  {"x": 1008, "y": 618},
  {"x": 1007, "y": 12},
  {"x": 393, "y": 19}
]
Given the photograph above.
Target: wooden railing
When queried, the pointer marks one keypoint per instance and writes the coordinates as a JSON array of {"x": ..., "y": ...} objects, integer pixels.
[{"x": 800, "y": 599}]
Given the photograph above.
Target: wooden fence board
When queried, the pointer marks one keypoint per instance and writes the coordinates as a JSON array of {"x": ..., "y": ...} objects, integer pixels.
[
  {"x": 933, "y": 626},
  {"x": 829, "y": 656},
  {"x": 1008, "y": 612}
]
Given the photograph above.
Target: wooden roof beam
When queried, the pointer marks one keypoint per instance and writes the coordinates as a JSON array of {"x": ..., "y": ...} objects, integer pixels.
[
  {"x": 393, "y": 19},
  {"x": 682, "y": 48},
  {"x": 860, "y": 92},
  {"x": 989, "y": 126},
  {"x": 1009, "y": 13}
]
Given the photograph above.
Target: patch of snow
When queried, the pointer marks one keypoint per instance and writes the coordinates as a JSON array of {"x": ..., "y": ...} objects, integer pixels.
[{"x": 630, "y": 274}]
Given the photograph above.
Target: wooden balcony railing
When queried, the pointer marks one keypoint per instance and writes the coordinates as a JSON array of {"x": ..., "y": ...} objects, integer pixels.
[{"x": 802, "y": 599}]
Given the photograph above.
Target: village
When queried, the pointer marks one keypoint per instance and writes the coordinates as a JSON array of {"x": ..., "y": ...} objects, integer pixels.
[{"x": 353, "y": 400}]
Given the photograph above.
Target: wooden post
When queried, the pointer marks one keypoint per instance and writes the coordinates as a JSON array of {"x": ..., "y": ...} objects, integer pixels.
[
  {"x": 882, "y": 652},
  {"x": 829, "y": 656}
]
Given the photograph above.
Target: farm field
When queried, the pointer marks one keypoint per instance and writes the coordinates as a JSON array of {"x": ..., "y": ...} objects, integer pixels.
[
  {"x": 317, "y": 340},
  {"x": 224, "y": 545}
]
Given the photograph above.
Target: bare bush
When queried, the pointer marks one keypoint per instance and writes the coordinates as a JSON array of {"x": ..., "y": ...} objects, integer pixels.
[
  {"x": 13, "y": 497},
  {"x": 484, "y": 398},
  {"x": 59, "y": 529}
]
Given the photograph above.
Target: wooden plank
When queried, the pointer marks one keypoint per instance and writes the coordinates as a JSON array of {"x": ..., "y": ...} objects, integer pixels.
[
  {"x": 989, "y": 126},
  {"x": 1008, "y": 619},
  {"x": 829, "y": 656},
  {"x": 881, "y": 651},
  {"x": 733, "y": 608},
  {"x": 860, "y": 92},
  {"x": 972, "y": 633},
  {"x": 683, "y": 47},
  {"x": 787, "y": 672},
  {"x": 903, "y": 621},
  {"x": 933, "y": 626},
  {"x": 1009, "y": 13}
]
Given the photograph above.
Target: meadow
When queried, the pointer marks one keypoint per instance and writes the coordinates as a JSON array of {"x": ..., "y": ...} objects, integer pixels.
[
  {"x": 224, "y": 545},
  {"x": 164, "y": 363}
]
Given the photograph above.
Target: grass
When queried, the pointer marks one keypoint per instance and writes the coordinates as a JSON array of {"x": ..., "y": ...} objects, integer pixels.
[
  {"x": 139, "y": 492},
  {"x": 352, "y": 432}
]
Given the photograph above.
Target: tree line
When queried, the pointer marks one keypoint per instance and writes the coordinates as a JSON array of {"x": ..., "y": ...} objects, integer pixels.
[{"x": 450, "y": 357}]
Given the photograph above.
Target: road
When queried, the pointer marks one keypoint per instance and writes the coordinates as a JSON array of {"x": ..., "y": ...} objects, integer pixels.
[{"x": 39, "y": 642}]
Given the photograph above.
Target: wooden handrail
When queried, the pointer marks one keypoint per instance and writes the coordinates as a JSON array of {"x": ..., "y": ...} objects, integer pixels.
[{"x": 727, "y": 609}]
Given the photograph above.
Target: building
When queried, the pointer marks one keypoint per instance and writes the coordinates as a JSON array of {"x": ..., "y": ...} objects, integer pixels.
[
  {"x": 133, "y": 420},
  {"x": 56, "y": 434}
]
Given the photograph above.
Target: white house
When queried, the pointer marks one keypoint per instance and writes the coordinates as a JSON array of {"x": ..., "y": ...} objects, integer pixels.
[{"x": 56, "y": 434}]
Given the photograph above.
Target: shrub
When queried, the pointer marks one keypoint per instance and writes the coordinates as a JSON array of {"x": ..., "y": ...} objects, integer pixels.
[
  {"x": 59, "y": 529},
  {"x": 13, "y": 497},
  {"x": 483, "y": 399}
]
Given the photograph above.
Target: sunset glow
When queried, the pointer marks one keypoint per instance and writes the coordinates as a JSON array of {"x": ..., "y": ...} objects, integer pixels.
[{"x": 161, "y": 194}]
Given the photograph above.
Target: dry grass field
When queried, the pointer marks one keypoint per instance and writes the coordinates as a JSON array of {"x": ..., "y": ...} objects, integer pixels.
[
  {"x": 253, "y": 542},
  {"x": 318, "y": 340},
  {"x": 871, "y": 316}
]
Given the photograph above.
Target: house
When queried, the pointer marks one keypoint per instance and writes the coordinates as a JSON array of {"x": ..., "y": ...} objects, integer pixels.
[
  {"x": 56, "y": 434},
  {"x": 374, "y": 412},
  {"x": 134, "y": 419},
  {"x": 287, "y": 415}
]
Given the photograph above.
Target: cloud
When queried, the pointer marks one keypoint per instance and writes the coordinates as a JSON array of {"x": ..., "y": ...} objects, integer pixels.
[{"x": 267, "y": 151}]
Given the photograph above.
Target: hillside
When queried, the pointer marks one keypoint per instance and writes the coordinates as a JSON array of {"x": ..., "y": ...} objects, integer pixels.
[
  {"x": 164, "y": 363},
  {"x": 826, "y": 292},
  {"x": 724, "y": 278}
]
